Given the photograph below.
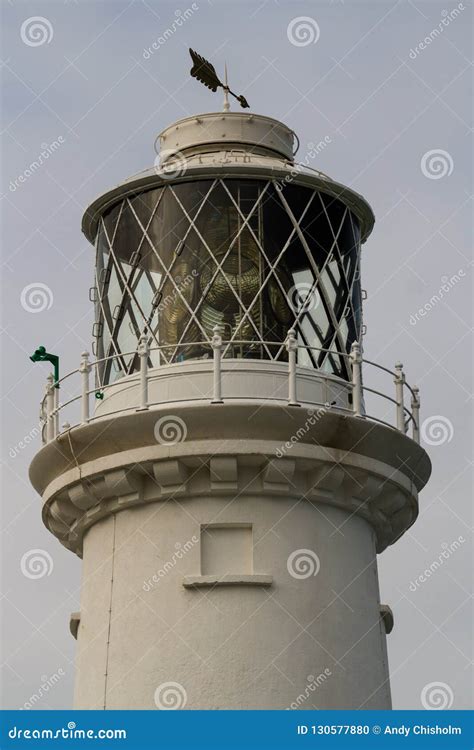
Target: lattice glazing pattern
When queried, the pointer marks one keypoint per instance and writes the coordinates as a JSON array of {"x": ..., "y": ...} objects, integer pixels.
[{"x": 253, "y": 256}]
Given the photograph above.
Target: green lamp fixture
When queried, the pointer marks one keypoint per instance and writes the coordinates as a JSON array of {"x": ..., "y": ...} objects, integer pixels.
[{"x": 41, "y": 355}]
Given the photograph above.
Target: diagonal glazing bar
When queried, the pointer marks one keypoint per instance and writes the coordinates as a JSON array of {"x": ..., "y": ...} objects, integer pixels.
[
  {"x": 168, "y": 274},
  {"x": 336, "y": 247},
  {"x": 111, "y": 265},
  {"x": 101, "y": 318},
  {"x": 117, "y": 262},
  {"x": 349, "y": 284},
  {"x": 167, "y": 271},
  {"x": 120, "y": 270},
  {"x": 184, "y": 238},
  {"x": 316, "y": 271},
  {"x": 220, "y": 269},
  {"x": 271, "y": 266},
  {"x": 323, "y": 268}
]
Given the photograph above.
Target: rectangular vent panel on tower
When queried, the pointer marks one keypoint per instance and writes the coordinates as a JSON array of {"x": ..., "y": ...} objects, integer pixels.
[{"x": 226, "y": 549}]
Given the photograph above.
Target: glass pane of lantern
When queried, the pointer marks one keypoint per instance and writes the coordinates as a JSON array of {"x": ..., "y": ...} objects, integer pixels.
[{"x": 231, "y": 253}]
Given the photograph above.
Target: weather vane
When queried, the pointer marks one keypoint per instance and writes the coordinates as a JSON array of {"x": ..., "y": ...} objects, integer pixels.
[{"x": 206, "y": 74}]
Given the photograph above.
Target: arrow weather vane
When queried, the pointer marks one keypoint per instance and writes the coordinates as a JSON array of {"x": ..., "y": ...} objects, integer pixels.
[{"x": 204, "y": 72}]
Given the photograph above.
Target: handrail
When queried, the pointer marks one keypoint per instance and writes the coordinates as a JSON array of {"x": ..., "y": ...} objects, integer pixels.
[
  {"x": 379, "y": 367},
  {"x": 239, "y": 342},
  {"x": 50, "y": 408},
  {"x": 379, "y": 393}
]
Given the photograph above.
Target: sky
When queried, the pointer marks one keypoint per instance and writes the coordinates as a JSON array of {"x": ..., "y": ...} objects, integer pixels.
[{"x": 88, "y": 87}]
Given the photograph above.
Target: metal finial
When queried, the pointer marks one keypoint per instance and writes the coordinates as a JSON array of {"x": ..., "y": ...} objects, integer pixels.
[{"x": 226, "y": 106}]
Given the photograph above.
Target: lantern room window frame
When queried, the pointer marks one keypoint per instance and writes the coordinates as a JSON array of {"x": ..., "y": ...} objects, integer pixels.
[{"x": 130, "y": 295}]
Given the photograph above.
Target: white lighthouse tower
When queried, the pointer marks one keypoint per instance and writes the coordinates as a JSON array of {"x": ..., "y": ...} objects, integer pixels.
[{"x": 229, "y": 491}]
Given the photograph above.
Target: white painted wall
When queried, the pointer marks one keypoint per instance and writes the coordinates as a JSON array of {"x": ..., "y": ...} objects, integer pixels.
[{"x": 238, "y": 646}]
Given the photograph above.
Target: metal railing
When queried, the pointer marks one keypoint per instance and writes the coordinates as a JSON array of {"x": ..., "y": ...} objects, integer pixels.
[{"x": 51, "y": 407}]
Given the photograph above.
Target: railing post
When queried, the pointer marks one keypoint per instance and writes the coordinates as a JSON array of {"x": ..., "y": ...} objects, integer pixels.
[
  {"x": 85, "y": 369},
  {"x": 399, "y": 381},
  {"x": 56, "y": 410},
  {"x": 292, "y": 349},
  {"x": 216, "y": 343},
  {"x": 143, "y": 352},
  {"x": 415, "y": 410},
  {"x": 43, "y": 415},
  {"x": 356, "y": 359},
  {"x": 50, "y": 408}
]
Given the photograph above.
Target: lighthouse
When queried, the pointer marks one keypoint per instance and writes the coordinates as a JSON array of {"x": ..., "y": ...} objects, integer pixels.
[{"x": 221, "y": 461}]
